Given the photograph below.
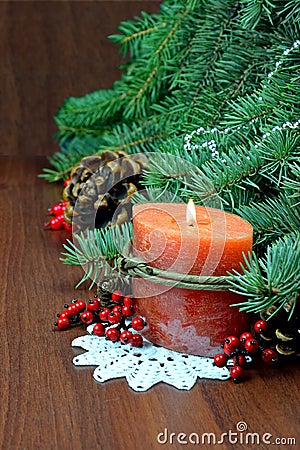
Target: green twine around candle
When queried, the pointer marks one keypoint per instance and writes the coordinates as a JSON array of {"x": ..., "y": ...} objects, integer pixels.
[{"x": 135, "y": 267}]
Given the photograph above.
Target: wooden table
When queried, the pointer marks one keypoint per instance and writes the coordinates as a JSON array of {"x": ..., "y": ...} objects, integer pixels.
[{"x": 50, "y": 50}]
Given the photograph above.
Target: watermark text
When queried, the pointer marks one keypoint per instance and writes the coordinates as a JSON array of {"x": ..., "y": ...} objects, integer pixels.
[{"x": 238, "y": 436}]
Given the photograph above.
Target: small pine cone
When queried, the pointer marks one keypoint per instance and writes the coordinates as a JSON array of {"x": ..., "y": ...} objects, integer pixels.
[
  {"x": 82, "y": 172},
  {"x": 99, "y": 185},
  {"x": 283, "y": 333},
  {"x": 110, "y": 284}
]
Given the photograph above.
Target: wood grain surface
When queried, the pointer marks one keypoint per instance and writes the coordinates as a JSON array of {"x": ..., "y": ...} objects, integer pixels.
[{"x": 48, "y": 51}]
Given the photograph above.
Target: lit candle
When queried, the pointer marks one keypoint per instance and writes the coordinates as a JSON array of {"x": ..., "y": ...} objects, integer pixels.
[{"x": 197, "y": 241}]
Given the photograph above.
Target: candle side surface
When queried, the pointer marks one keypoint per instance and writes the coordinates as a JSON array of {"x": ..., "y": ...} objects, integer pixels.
[{"x": 184, "y": 320}]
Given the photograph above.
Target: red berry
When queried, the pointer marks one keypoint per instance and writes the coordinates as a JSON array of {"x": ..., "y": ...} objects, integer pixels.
[
  {"x": 94, "y": 306},
  {"x": 128, "y": 300},
  {"x": 67, "y": 226},
  {"x": 220, "y": 360},
  {"x": 80, "y": 305},
  {"x": 72, "y": 310},
  {"x": 87, "y": 317},
  {"x": 61, "y": 218},
  {"x": 269, "y": 356},
  {"x": 227, "y": 350},
  {"x": 260, "y": 326},
  {"x": 128, "y": 311},
  {"x": 63, "y": 314},
  {"x": 244, "y": 336},
  {"x": 232, "y": 343},
  {"x": 96, "y": 299},
  {"x": 239, "y": 360},
  {"x": 114, "y": 317},
  {"x": 99, "y": 329},
  {"x": 117, "y": 296},
  {"x": 117, "y": 308},
  {"x": 236, "y": 372},
  {"x": 103, "y": 314},
  {"x": 63, "y": 323},
  {"x": 112, "y": 334},
  {"x": 55, "y": 223},
  {"x": 251, "y": 345},
  {"x": 137, "y": 340},
  {"x": 56, "y": 209},
  {"x": 67, "y": 181},
  {"x": 126, "y": 337},
  {"x": 138, "y": 323}
]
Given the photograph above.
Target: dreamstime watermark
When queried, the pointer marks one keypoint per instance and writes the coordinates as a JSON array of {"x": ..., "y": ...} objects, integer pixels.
[{"x": 238, "y": 436}]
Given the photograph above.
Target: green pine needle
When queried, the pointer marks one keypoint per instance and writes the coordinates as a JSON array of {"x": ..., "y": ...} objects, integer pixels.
[
  {"x": 96, "y": 250},
  {"x": 272, "y": 280}
]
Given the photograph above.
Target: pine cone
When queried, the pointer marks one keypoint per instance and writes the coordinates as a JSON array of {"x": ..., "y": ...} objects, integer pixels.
[
  {"x": 110, "y": 284},
  {"x": 114, "y": 179},
  {"x": 283, "y": 334}
]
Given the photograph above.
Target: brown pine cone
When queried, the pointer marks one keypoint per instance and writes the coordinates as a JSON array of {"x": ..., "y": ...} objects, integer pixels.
[
  {"x": 283, "y": 333},
  {"x": 98, "y": 186},
  {"x": 110, "y": 284}
]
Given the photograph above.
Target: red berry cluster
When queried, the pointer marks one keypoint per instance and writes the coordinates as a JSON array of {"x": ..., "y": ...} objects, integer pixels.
[
  {"x": 108, "y": 321},
  {"x": 236, "y": 349},
  {"x": 58, "y": 221}
]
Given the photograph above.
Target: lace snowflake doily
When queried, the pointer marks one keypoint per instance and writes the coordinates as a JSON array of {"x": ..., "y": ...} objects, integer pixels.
[{"x": 144, "y": 367}]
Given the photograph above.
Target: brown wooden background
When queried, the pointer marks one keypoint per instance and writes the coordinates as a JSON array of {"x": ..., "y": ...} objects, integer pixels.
[{"x": 48, "y": 51}]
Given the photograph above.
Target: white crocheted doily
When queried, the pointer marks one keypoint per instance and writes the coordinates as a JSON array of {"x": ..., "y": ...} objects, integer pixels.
[{"x": 146, "y": 366}]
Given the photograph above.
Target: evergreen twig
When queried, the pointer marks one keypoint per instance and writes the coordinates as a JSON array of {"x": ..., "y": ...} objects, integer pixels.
[
  {"x": 96, "y": 250},
  {"x": 273, "y": 280}
]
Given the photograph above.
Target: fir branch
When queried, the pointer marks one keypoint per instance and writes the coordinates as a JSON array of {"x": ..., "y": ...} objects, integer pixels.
[
  {"x": 272, "y": 219},
  {"x": 214, "y": 55},
  {"x": 138, "y": 34},
  {"x": 254, "y": 166},
  {"x": 239, "y": 172},
  {"x": 220, "y": 61},
  {"x": 96, "y": 250},
  {"x": 134, "y": 32},
  {"x": 290, "y": 12},
  {"x": 232, "y": 93},
  {"x": 268, "y": 105},
  {"x": 279, "y": 152},
  {"x": 173, "y": 29},
  {"x": 65, "y": 131},
  {"x": 150, "y": 74},
  {"x": 137, "y": 137},
  {"x": 253, "y": 11},
  {"x": 196, "y": 175},
  {"x": 86, "y": 111},
  {"x": 170, "y": 168},
  {"x": 273, "y": 280},
  {"x": 73, "y": 149},
  {"x": 291, "y": 184},
  {"x": 234, "y": 171},
  {"x": 143, "y": 81},
  {"x": 139, "y": 143}
]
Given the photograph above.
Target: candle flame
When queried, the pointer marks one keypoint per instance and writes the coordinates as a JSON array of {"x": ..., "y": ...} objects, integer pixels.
[{"x": 191, "y": 212}]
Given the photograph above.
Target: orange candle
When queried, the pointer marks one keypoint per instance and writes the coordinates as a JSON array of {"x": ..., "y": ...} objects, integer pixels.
[{"x": 204, "y": 242}]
